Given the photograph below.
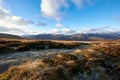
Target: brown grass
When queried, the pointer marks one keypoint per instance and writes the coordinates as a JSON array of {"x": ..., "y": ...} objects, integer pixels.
[
  {"x": 97, "y": 62},
  {"x": 44, "y": 69},
  {"x": 15, "y": 45}
]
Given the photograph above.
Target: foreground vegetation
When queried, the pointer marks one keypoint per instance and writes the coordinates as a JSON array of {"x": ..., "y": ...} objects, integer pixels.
[
  {"x": 17, "y": 45},
  {"x": 100, "y": 61}
]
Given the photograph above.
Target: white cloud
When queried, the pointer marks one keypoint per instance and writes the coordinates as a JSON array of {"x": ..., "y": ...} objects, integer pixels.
[
  {"x": 105, "y": 29},
  {"x": 1, "y": 2},
  {"x": 63, "y": 31},
  {"x": 59, "y": 25},
  {"x": 13, "y": 24},
  {"x": 117, "y": 20},
  {"x": 51, "y": 8},
  {"x": 4, "y": 13},
  {"x": 78, "y": 3},
  {"x": 81, "y": 3}
]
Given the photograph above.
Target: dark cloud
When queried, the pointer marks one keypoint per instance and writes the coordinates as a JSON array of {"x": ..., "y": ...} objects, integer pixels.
[
  {"x": 100, "y": 29},
  {"x": 42, "y": 23}
]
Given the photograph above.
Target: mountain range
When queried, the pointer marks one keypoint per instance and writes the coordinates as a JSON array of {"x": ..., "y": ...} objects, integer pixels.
[{"x": 77, "y": 37}]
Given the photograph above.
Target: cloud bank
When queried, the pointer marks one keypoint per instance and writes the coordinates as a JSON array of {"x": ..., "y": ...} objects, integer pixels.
[
  {"x": 13, "y": 24},
  {"x": 67, "y": 31},
  {"x": 104, "y": 29}
]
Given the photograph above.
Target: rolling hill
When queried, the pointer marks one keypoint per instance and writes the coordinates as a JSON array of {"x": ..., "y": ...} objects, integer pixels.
[{"x": 3, "y": 35}]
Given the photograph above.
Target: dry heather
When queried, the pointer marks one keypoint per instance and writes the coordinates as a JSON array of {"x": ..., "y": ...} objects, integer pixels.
[
  {"x": 98, "y": 62},
  {"x": 57, "y": 68},
  {"x": 15, "y": 45}
]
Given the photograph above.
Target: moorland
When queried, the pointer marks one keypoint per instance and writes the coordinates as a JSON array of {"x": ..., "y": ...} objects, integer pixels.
[{"x": 28, "y": 59}]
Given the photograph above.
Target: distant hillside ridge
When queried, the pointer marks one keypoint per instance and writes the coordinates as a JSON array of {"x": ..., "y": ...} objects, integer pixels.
[
  {"x": 77, "y": 37},
  {"x": 4, "y": 35}
]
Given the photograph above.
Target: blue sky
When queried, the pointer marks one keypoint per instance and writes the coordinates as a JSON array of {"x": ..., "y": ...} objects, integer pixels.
[{"x": 59, "y": 16}]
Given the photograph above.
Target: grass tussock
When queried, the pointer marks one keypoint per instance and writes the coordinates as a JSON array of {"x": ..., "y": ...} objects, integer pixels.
[
  {"x": 97, "y": 62},
  {"x": 60, "y": 67},
  {"x": 26, "y": 45}
]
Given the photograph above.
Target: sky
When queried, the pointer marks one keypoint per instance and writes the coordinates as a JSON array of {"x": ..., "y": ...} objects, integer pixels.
[{"x": 25, "y": 17}]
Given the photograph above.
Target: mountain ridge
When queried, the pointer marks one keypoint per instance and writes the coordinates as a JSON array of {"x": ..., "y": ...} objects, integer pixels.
[{"x": 77, "y": 37}]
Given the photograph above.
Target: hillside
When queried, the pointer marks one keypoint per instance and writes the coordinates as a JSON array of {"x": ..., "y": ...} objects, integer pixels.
[
  {"x": 3, "y": 35},
  {"x": 77, "y": 37}
]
